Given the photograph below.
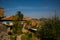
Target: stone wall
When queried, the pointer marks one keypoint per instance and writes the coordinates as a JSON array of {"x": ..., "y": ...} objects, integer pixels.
[
  {"x": 1, "y": 12},
  {"x": 3, "y": 32}
]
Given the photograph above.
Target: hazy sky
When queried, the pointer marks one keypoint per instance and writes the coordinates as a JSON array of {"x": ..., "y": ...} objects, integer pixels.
[{"x": 32, "y": 8}]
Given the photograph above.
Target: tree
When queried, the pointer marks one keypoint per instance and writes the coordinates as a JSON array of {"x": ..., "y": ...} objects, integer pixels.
[
  {"x": 17, "y": 26},
  {"x": 19, "y": 15},
  {"x": 50, "y": 30}
]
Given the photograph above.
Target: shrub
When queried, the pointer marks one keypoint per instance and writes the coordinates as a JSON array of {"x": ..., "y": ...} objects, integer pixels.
[{"x": 50, "y": 30}]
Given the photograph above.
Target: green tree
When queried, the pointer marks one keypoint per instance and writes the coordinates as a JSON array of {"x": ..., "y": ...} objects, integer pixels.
[
  {"x": 17, "y": 26},
  {"x": 50, "y": 30},
  {"x": 19, "y": 15}
]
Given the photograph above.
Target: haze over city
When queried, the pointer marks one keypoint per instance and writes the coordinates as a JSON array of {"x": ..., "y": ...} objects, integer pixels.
[{"x": 31, "y": 8}]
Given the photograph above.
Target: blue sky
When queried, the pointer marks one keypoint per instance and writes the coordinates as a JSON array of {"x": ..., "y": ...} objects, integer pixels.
[{"x": 32, "y": 8}]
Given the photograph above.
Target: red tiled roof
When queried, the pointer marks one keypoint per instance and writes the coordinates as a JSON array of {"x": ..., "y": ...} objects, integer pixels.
[{"x": 8, "y": 18}]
